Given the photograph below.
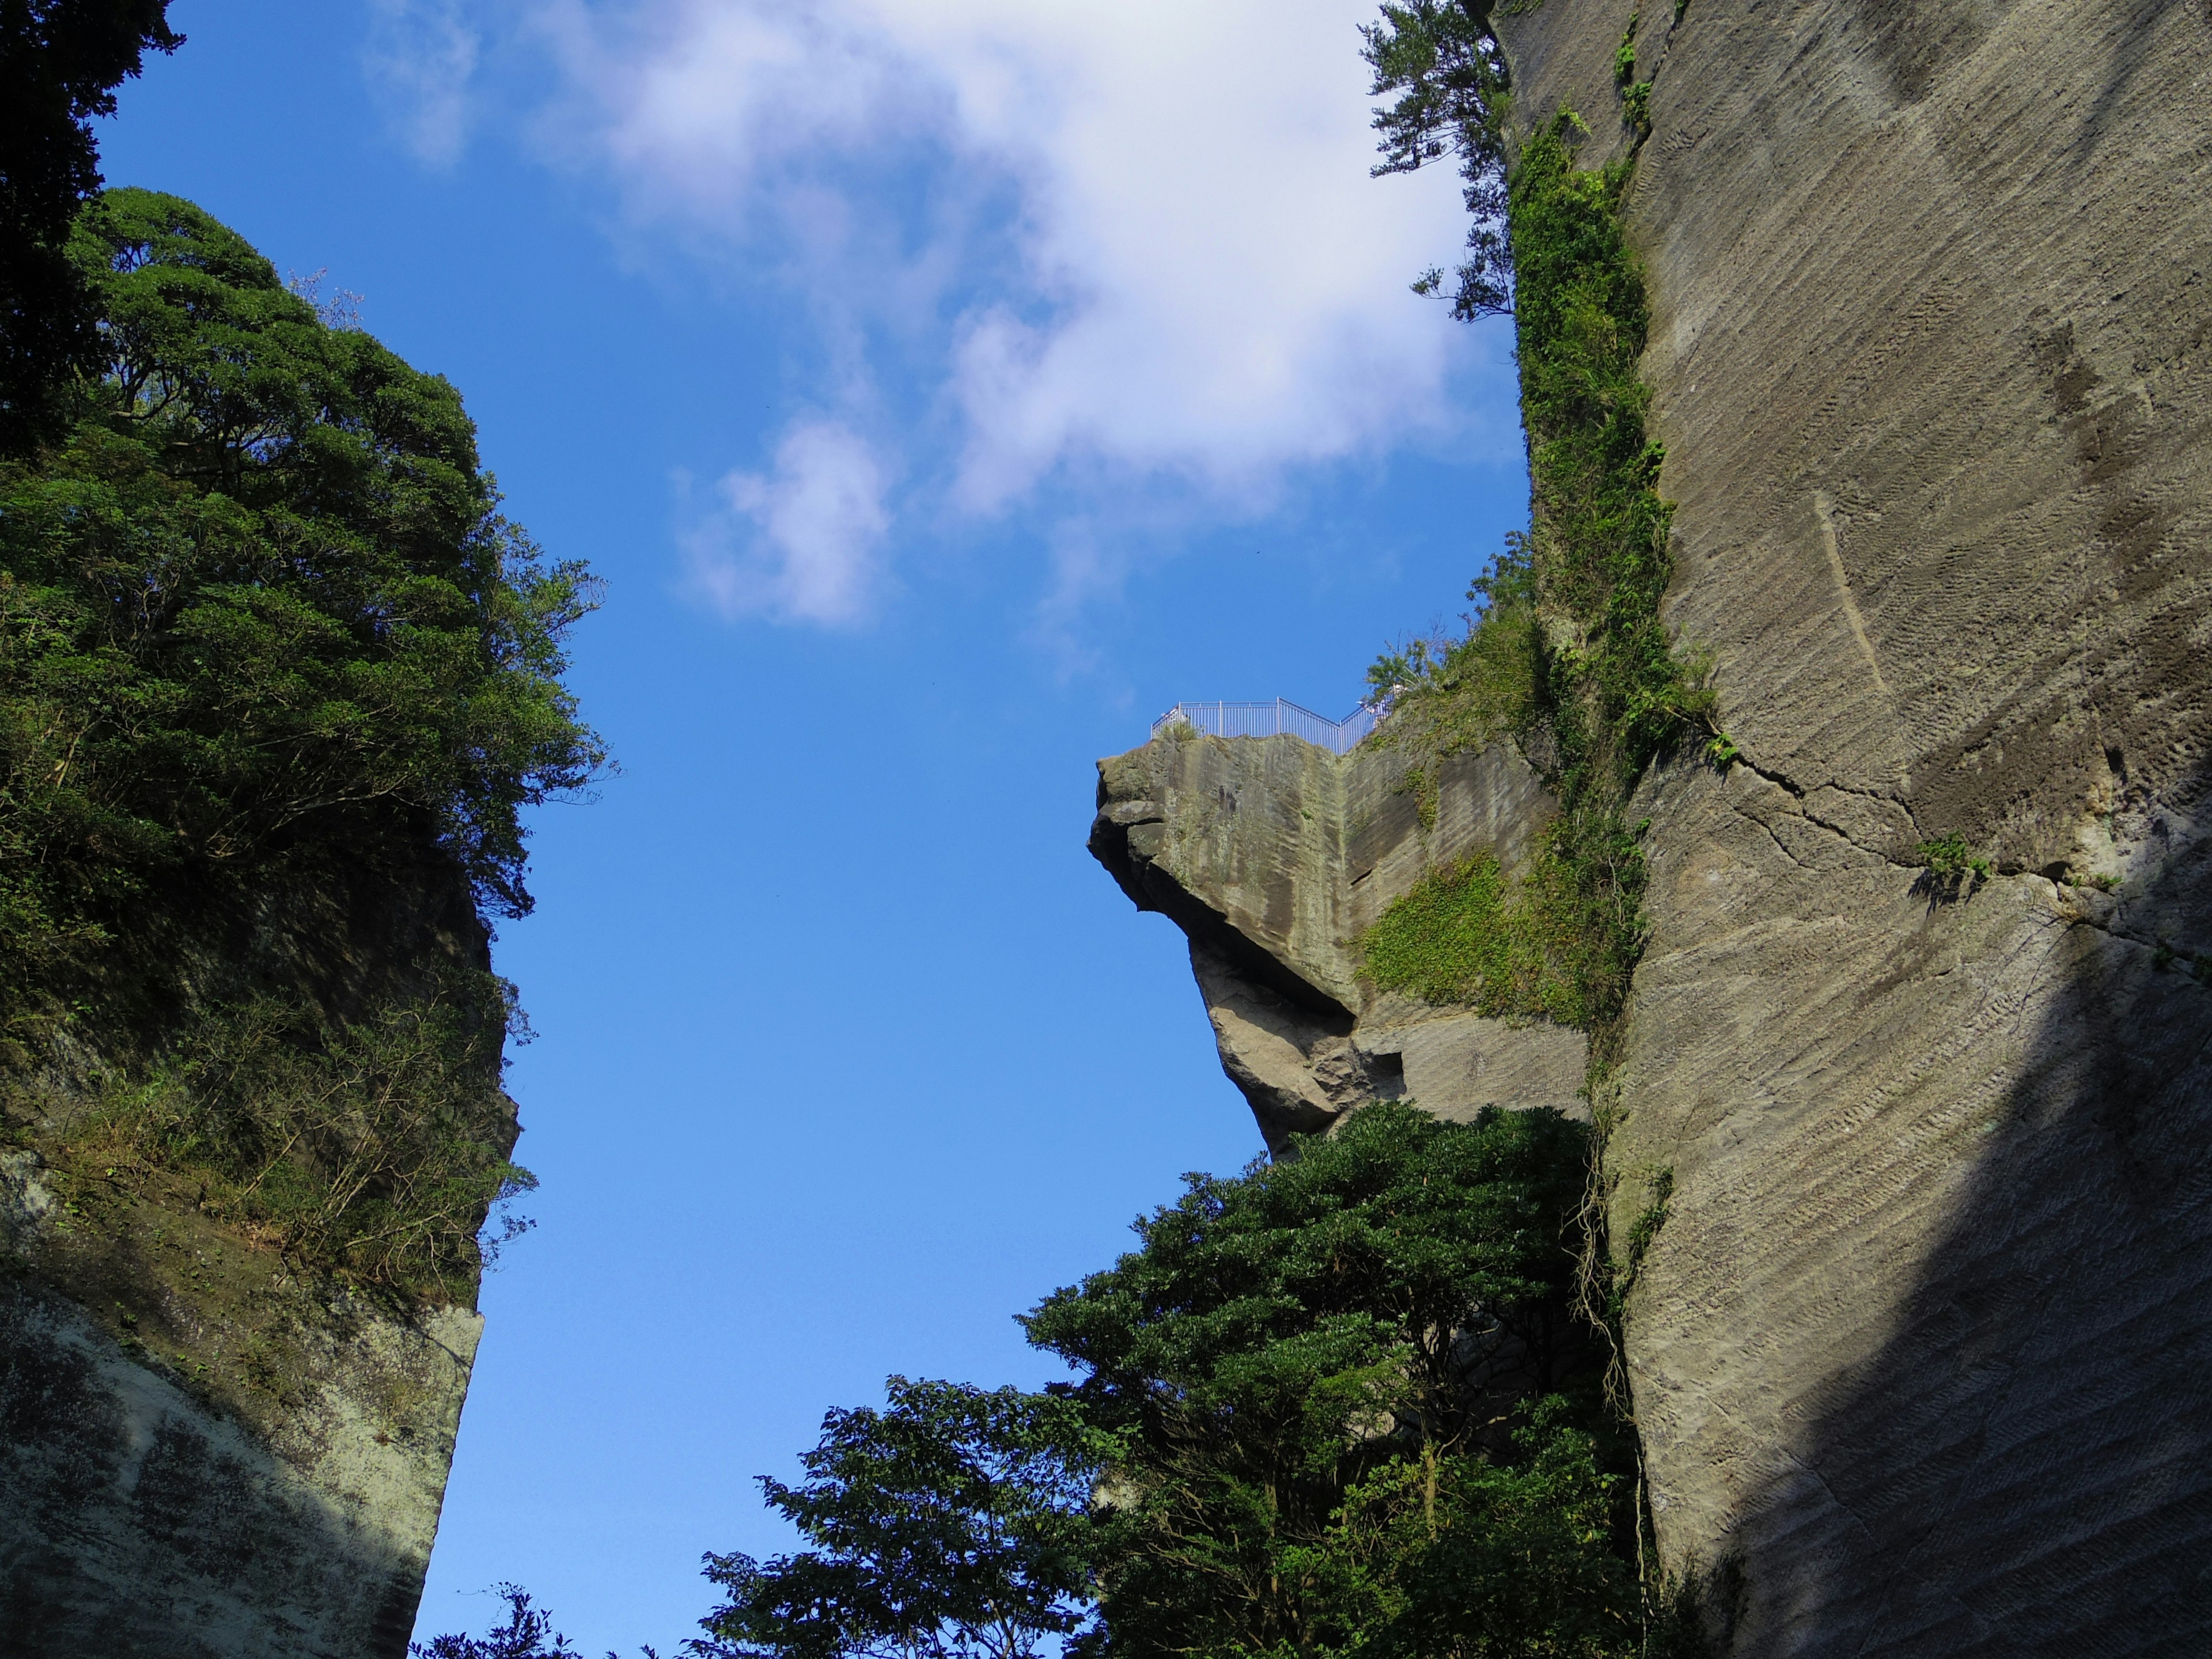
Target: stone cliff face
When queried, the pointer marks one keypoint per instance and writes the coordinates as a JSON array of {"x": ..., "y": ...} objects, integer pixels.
[
  {"x": 1922, "y": 1356},
  {"x": 1274, "y": 856},
  {"x": 207, "y": 1450}
]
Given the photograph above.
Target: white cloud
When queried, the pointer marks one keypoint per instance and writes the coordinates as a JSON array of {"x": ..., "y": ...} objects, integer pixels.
[
  {"x": 802, "y": 544},
  {"x": 421, "y": 57},
  {"x": 1125, "y": 240}
]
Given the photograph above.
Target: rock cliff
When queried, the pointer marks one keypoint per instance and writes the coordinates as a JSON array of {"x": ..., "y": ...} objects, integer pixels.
[
  {"x": 1273, "y": 857},
  {"x": 1922, "y": 1355},
  {"x": 212, "y": 1449}
]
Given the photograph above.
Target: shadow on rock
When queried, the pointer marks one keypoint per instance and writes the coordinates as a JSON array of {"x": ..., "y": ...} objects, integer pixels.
[{"x": 2026, "y": 1467}]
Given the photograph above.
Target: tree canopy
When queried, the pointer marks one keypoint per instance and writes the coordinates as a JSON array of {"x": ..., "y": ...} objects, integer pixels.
[
  {"x": 949, "y": 1525},
  {"x": 1333, "y": 1405},
  {"x": 260, "y": 613},
  {"x": 1311, "y": 1376},
  {"x": 60, "y": 63}
]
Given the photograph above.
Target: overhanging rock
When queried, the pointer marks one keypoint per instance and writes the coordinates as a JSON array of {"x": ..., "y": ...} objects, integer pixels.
[{"x": 1273, "y": 857}]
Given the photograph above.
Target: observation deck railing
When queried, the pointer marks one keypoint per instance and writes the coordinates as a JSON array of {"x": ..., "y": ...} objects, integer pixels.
[{"x": 1281, "y": 717}]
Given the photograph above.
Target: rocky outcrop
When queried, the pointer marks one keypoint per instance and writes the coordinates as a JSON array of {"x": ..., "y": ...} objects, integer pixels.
[
  {"x": 1921, "y": 1354},
  {"x": 1922, "y": 1357},
  {"x": 207, "y": 1449},
  {"x": 1274, "y": 856}
]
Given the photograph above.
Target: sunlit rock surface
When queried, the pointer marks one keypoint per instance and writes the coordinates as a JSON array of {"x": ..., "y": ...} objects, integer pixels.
[
  {"x": 1274, "y": 856},
  {"x": 1922, "y": 1355}
]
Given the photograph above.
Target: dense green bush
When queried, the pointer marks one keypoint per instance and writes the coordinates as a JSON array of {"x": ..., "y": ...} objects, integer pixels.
[
  {"x": 1338, "y": 1404},
  {"x": 1306, "y": 1376},
  {"x": 259, "y": 617}
]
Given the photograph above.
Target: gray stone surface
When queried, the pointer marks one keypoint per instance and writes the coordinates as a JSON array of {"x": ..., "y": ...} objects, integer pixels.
[
  {"x": 156, "y": 1509},
  {"x": 1274, "y": 857},
  {"x": 1921, "y": 1354},
  {"x": 206, "y": 1450}
]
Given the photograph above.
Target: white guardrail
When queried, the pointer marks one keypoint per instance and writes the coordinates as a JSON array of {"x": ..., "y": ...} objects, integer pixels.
[{"x": 1281, "y": 717}]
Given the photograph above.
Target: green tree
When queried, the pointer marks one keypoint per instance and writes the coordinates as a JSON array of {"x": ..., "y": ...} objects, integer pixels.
[
  {"x": 1309, "y": 1377},
  {"x": 60, "y": 63},
  {"x": 260, "y": 619},
  {"x": 949, "y": 1525},
  {"x": 1441, "y": 60}
]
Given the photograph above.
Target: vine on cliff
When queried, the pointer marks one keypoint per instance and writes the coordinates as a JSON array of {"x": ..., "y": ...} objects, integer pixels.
[{"x": 1568, "y": 656}]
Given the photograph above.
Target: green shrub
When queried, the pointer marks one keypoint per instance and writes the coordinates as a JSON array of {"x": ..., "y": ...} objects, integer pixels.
[
  {"x": 1950, "y": 856},
  {"x": 375, "y": 1147}
]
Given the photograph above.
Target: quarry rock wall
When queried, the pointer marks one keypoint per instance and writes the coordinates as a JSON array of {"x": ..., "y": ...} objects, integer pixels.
[
  {"x": 209, "y": 1449},
  {"x": 1921, "y": 1356},
  {"x": 1274, "y": 857},
  {"x": 203, "y": 1457}
]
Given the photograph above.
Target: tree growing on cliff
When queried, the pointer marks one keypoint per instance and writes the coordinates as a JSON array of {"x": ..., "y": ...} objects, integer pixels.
[
  {"x": 271, "y": 661},
  {"x": 1441, "y": 60},
  {"x": 259, "y": 612}
]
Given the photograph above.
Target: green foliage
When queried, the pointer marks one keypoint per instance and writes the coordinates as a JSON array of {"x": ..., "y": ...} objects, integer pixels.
[
  {"x": 1441, "y": 60},
  {"x": 1568, "y": 655},
  {"x": 951, "y": 1524},
  {"x": 60, "y": 63},
  {"x": 1951, "y": 856},
  {"x": 259, "y": 617},
  {"x": 1301, "y": 1373},
  {"x": 1399, "y": 666},
  {"x": 1466, "y": 1558},
  {"x": 1636, "y": 105},
  {"x": 1335, "y": 1405},
  {"x": 1454, "y": 939},
  {"x": 375, "y": 1147}
]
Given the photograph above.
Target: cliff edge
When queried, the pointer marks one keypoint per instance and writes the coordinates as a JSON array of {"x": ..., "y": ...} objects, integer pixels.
[{"x": 1917, "y": 1038}]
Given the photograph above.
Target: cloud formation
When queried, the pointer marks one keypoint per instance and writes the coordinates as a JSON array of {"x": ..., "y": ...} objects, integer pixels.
[
  {"x": 1119, "y": 243},
  {"x": 802, "y": 542},
  {"x": 420, "y": 59}
]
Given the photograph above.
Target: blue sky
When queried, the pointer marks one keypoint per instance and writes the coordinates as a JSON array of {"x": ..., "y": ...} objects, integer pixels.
[{"x": 943, "y": 388}]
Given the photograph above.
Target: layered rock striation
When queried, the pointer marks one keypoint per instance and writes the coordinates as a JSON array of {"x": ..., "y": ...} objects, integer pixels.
[
  {"x": 1921, "y": 1354},
  {"x": 210, "y": 1448},
  {"x": 1274, "y": 857}
]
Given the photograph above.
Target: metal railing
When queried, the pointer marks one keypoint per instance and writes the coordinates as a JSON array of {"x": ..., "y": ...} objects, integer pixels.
[{"x": 1281, "y": 718}]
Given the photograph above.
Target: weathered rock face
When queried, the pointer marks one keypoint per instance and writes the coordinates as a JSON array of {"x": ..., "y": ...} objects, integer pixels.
[
  {"x": 156, "y": 1502},
  {"x": 1274, "y": 857},
  {"x": 1924, "y": 1353},
  {"x": 206, "y": 1453},
  {"x": 1922, "y": 1356}
]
